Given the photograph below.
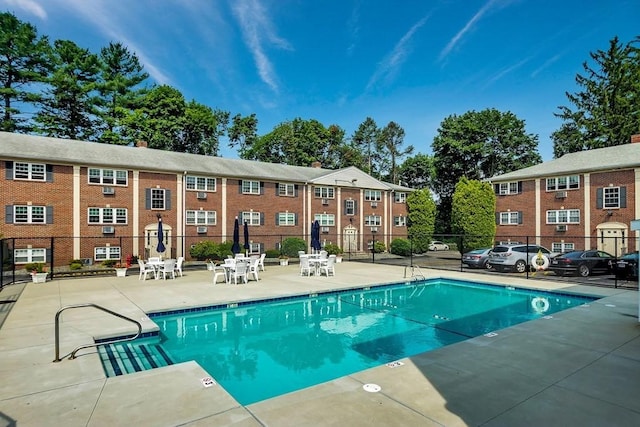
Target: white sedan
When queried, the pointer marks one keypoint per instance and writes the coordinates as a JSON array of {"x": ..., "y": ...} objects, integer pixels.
[{"x": 437, "y": 245}]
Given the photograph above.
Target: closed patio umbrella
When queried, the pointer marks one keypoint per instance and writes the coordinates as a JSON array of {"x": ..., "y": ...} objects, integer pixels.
[
  {"x": 246, "y": 238},
  {"x": 315, "y": 236},
  {"x": 235, "y": 248},
  {"x": 160, "y": 248}
]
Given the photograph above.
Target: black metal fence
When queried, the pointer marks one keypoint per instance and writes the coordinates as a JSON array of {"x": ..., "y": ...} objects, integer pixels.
[{"x": 57, "y": 252}]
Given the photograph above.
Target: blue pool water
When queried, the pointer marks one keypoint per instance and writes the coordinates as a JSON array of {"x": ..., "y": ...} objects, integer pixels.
[{"x": 262, "y": 350}]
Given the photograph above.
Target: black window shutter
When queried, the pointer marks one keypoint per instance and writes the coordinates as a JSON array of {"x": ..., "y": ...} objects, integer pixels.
[
  {"x": 498, "y": 218},
  {"x": 167, "y": 201},
  {"x": 599, "y": 203},
  {"x": 239, "y": 186},
  {"x": 8, "y": 214},
  {"x": 261, "y": 218},
  {"x": 147, "y": 198},
  {"x": 49, "y": 215},
  {"x": 9, "y": 170},
  {"x": 295, "y": 190},
  {"x": 49, "y": 174},
  {"x": 277, "y": 219},
  {"x": 295, "y": 219},
  {"x": 355, "y": 207},
  {"x": 496, "y": 188},
  {"x": 519, "y": 217},
  {"x": 344, "y": 208},
  {"x": 47, "y": 255},
  {"x": 519, "y": 187},
  {"x": 261, "y": 187},
  {"x": 623, "y": 197},
  {"x": 277, "y": 189}
]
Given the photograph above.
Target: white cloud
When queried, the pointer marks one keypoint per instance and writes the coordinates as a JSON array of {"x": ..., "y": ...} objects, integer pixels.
[
  {"x": 257, "y": 30},
  {"x": 30, "y": 6},
  {"x": 392, "y": 62}
]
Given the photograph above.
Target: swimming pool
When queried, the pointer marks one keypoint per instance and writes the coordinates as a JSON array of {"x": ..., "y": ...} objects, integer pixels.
[{"x": 261, "y": 350}]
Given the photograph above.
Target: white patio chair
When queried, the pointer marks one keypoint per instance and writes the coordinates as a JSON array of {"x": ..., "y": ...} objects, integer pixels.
[
  {"x": 145, "y": 269},
  {"x": 178, "y": 268},
  {"x": 153, "y": 259},
  {"x": 261, "y": 261},
  {"x": 305, "y": 266},
  {"x": 241, "y": 269},
  {"x": 217, "y": 273},
  {"x": 169, "y": 268},
  {"x": 254, "y": 267},
  {"x": 324, "y": 254},
  {"x": 328, "y": 267}
]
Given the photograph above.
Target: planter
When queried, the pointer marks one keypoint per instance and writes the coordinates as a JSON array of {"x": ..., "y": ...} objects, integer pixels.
[
  {"x": 121, "y": 272},
  {"x": 39, "y": 277},
  {"x": 338, "y": 258},
  {"x": 284, "y": 261},
  {"x": 211, "y": 266}
]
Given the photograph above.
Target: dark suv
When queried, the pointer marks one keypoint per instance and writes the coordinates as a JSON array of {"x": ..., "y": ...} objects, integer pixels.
[{"x": 516, "y": 256}]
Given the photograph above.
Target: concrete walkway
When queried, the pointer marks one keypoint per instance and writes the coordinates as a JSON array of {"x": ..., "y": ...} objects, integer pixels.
[{"x": 580, "y": 367}]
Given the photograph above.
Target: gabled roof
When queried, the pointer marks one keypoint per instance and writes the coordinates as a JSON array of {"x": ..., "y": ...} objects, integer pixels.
[
  {"x": 626, "y": 156},
  {"x": 72, "y": 152}
]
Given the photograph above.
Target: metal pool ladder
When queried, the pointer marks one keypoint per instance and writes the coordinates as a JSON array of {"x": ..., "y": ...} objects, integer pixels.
[
  {"x": 73, "y": 353},
  {"x": 416, "y": 274}
]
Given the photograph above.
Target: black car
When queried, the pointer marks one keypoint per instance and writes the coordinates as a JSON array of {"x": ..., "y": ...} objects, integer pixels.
[
  {"x": 583, "y": 263},
  {"x": 627, "y": 267}
]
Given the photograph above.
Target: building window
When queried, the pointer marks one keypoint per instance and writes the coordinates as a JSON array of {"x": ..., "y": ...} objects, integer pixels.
[
  {"x": 507, "y": 188},
  {"x": 250, "y": 187},
  {"x": 324, "y": 192},
  {"x": 563, "y": 183},
  {"x": 286, "y": 218},
  {"x": 325, "y": 220},
  {"x": 562, "y": 247},
  {"x": 108, "y": 176},
  {"x": 251, "y": 218},
  {"x": 372, "y": 195},
  {"x": 400, "y": 197},
  {"x": 288, "y": 190},
  {"x": 106, "y": 252},
  {"x": 200, "y": 183},
  {"x": 510, "y": 218},
  {"x": 373, "y": 220},
  {"x": 158, "y": 198},
  {"x": 29, "y": 214},
  {"x": 29, "y": 171},
  {"x": 611, "y": 197},
  {"x": 254, "y": 248},
  {"x": 107, "y": 216},
  {"x": 25, "y": 256},
  {"x": 400, "y": 221},
  {"x": 201, "y": 217},
  {"x": 564, "y": 216},
  {"x": 350, "y": 207}
]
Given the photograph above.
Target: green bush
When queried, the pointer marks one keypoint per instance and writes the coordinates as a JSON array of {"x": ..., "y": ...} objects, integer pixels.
[
  {"x": 224, "y": 249},
  {"x": 333, "y": 249},
  {"x": 75, "y": 265},
  {"x": 204, "y": 250},
  {"x": 379, "y": 247},
  {"x": 400, "y": 247},
  {"x": 272, "y": 253},
  {"x": 38, "y": 267},
  {"x": 110, "y": 262},
  {"x": 292, "y": 245}
]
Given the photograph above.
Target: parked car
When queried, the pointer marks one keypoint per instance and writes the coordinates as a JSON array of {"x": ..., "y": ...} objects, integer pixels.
[
  {"x": 627, "y": 267},
  {"x": 583, "y": 263},
  {"x": 437, "y": 245},
  {"x": 477, "y": 258},
  {"x": 517, "y": 256}
]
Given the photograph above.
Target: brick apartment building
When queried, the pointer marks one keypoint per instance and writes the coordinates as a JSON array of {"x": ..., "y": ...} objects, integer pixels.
[
  {"x": 583, "y": 200},
  {"x": 99, "y": 201}
]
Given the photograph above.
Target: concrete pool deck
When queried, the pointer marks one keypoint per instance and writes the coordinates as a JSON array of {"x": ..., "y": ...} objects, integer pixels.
[{"x": 578, "y": 367}]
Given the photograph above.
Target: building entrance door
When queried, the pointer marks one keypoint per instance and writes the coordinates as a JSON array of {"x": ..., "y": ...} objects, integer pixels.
[
  {"x": 613, "y": 237},
  {"x": 350, "y": 239},
  {"x": 151, "y": 241}
]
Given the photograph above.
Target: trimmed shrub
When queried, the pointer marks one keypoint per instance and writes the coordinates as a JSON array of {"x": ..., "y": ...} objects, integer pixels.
[
  {"x": 292, "y": 245},
  {"x": 272, "y": 253},
  {"x": 333, "y": 249},
  {"x": 205, "y": 249},
  {"x": 400, "y": 247}
]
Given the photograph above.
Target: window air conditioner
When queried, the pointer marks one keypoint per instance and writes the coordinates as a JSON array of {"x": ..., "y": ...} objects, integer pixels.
[
  {"x": 202, "y": 229},
  {"x": 201, "y": 195},
  {"x": 108, "y": 190},
  {"x": 108, "y": 229},
  {"x": 561, "y": 194},
  {"x": 374, "y": 204},
  {"x": 325, "y": 201},
  {"x": 325, "y": 229},
  {"x": 561, "y": 227}
]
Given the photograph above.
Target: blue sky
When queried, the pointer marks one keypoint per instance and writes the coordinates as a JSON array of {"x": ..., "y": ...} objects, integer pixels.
[{"x": 341, "y": 61}]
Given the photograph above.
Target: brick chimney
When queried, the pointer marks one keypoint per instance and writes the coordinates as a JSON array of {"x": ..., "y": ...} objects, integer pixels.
[
  {"x": 142, "y": 144},
  {"x": 635, "y": 138},
  {"x": 316, "y": 165}
]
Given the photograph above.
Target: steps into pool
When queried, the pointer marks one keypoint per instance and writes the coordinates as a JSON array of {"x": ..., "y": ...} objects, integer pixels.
[{"x": 133, "y": 356}]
